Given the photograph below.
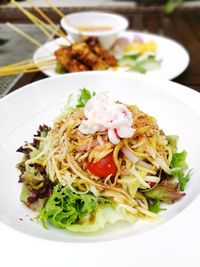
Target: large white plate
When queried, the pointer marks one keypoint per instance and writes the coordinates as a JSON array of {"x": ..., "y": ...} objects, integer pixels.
[
  {"x": 175, "y": 107},
  {"x": 174, "y": 56}
]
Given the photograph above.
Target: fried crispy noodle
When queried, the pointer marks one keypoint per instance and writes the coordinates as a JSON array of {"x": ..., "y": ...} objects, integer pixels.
[{"x": 138, "y": 159}]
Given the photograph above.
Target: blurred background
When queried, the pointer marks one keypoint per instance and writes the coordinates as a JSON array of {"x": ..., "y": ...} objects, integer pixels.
[{"x": 98, "y": 2}]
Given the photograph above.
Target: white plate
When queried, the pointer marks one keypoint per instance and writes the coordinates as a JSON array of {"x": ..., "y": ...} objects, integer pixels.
[
  {"x": 175, "y": 107},
  {"x": 174, "y": 56}
]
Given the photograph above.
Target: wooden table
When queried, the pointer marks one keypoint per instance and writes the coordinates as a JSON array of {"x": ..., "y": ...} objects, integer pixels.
[{"x": 183, "y": 26}]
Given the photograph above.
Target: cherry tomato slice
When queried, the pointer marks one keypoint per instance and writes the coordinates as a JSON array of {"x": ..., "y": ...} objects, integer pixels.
[
  {"x": 152, "y": 184},
  {"x": 103, "y": 167}
]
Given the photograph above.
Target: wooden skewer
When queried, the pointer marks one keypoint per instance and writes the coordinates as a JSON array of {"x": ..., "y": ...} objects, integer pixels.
[
  {"x": 27, "y": 65},
  {"x": 28, "y": 37},
  {"x": 42, "y": 14},
  {"x": 27, "y": 61},
  {"x": 48, "y": 30},
  {"x": 25, "y": 68},
  {"x": 55, "y": 8},
  {"x": 19, "y": 72},
  {"x": 62, "y": 15},
  {"x": 18, "y": 63},
  {"x": 39, "y": 23},
  {"x": 22, "y": 69}
]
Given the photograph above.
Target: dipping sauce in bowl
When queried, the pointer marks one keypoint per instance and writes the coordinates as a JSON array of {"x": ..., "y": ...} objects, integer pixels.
[
  {"x": 105, "y": 26},
  {"x": 94, "y": 28}
]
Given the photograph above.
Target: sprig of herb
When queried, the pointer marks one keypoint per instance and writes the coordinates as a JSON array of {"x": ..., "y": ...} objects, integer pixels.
[{"x": 84, "y": 97}]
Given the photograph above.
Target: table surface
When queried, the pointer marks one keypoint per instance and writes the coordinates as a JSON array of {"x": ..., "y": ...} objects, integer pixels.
[{"x": 183, "y": 26}]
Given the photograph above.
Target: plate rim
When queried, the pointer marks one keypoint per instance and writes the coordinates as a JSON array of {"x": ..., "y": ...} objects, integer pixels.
[
  {"x": 140, "y": 77},
  {"x": 148, "y": 79}
]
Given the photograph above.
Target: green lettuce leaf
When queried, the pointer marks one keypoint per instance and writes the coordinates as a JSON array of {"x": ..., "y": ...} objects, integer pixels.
[
  {"x": 154, "y": 205},
  {"x": 81, "y": 213},
  {"x": 172, "y": 142},
  {"x": 179, "y": 162},
  {"x": 183, "y": 178},
  {"x": 65, "y": 208},
  {"x": 84, "y": 97},
  {"x": 103, "y": 216}
]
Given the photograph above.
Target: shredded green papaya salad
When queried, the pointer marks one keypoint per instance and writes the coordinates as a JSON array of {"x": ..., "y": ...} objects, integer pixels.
[{"x": 101, "y": 162}]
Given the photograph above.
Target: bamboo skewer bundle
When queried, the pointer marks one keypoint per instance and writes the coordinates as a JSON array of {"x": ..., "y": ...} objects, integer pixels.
[
  {"x": 62, "y": 15},
  {"x": 39, "y": 23},
  {"x": 28, "y": 37},
  {"x": 47, "y": 27},
  {"x": 26, "y": 66},
  {"x": 25, "y": 35},
  {"x": 48, "y": 20},
  {"x": 55, "y": 8}
]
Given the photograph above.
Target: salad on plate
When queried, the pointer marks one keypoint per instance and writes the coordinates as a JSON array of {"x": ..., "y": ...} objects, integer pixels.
[{"x": 103, "y": 161}]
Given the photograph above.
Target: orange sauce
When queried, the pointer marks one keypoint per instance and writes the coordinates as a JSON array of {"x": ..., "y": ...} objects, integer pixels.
[{"x": 94, "y": 28}]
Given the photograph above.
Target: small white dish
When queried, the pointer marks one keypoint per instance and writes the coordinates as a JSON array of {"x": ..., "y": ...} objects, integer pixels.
[
  {"x": 105, "y": 26},
  {"x": 174, "y": 106},
  {"x": 174, "y": 56}
]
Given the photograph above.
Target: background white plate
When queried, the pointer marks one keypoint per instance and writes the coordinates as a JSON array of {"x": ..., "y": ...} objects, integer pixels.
[
  {"x": 175, "y": 107},
  {"x": 175, "y": 58}
]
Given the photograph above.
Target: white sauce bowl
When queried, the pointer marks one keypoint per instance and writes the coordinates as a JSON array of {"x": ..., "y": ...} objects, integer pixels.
[{"x": 107, "y": 37}]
